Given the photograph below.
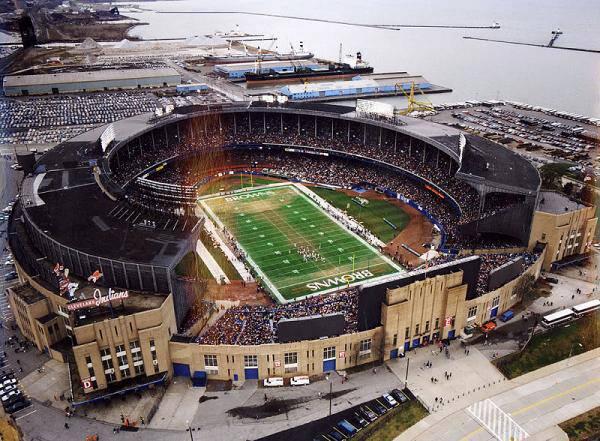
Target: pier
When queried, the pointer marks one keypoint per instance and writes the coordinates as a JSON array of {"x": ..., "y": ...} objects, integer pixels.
[
  {"x": 520, "y": 43},
  {"x": 388, "y": 27}
]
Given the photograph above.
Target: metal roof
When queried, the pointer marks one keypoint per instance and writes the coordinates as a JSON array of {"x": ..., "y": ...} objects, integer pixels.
[
  {"x": 331, "y": 85},
  {"x": 83, "y": 77}
]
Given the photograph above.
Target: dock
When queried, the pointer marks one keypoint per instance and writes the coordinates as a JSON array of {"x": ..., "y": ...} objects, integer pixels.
[
  {"x": 520, "y": 43},
  {"x": 383, "y": 79}
]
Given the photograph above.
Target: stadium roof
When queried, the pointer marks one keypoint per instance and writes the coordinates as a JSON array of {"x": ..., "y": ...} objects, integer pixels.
[
  {"x": 329, "y": 85},
  {"x": 89, "y": 76},
  {"x": 498, "y": 165}
]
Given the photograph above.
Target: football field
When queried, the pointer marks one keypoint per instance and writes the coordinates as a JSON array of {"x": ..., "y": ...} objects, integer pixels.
[{"x": 293, "y": 245}]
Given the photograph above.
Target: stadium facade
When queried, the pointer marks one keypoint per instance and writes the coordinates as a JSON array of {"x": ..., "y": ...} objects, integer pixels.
[{"x": 98, "y": 286}]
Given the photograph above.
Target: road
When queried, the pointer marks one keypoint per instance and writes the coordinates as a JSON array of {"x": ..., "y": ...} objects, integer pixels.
[
  {"x": 527, "y": 405},
  {"x": 9, "y": 180}
]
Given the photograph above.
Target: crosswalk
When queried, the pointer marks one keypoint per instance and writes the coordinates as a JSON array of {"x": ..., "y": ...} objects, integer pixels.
[{"x": 496, "y": 421}]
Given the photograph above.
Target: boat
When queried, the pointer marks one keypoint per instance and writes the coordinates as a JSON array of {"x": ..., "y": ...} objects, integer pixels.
[
  {"x": 557, "y": 31},
  {"x": 303, "y": 73}
]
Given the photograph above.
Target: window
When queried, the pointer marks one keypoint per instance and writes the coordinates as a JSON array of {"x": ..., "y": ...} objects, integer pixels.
[
  {"x": 407, "y": 333},
  {"x": 210, "y": 361},
  {"x": 290, "y": 361},
  {"x": 365, "y": 346},
  {"x": 136, "y": 356},
  {"x": 496, "y": 301},
  {"x": 437, "y": 323},
  {"x": 395, "y": 340},
  {"x": 122, "y": 359},
  {"x": 329, "y": 353},
  {"x": 250, "y": 361},
  {"x": 472, "y": 313},
  {"x": 427, "y": 326},
  {"x": 290, "y": 358},
  {"x": 153, "y": 353},
  {"x": 417, "y": 326}
]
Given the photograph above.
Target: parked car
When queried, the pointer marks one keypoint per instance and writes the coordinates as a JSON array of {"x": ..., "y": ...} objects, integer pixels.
[
  {"x": 488, "y": 326},
  {"x": 378, "y": 407},
  {"x": 334, "y": 434},
  {"x": 358, "y": 421},
  {"x": 346, "y": 428},
  {"x": 300, "y": 380},
  {"x": 10, "y": 276},
  {"x": 273, "y": 382},
  {"x": 399, "y": 396},
  {"x": 507, "y": 315},
  {"x": 368, "y": 413},
  {"x": 390, "y": 400},
  {"x": 18, "y": 405},
  {"x": 11, "y": 397}
]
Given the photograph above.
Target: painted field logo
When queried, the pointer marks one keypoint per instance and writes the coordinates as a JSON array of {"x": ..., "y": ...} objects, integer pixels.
[
  {"x": 241, "y": 197},
  {"x": 340, "y": 280}
]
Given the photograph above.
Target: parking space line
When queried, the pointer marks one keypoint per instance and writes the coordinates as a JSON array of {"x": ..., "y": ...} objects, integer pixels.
[{"x": 27, "y": 414}]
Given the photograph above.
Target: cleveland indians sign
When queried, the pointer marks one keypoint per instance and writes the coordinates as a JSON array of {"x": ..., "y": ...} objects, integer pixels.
[{"x": 98, "y": 299}]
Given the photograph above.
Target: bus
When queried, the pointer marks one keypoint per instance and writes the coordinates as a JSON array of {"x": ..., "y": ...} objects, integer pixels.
[
  {"x": 557, "y": 318},
  {"x": 586, "y": 307}
]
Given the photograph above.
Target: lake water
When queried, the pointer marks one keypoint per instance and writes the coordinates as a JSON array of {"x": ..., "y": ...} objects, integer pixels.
[{"x": 552, "y": 78}]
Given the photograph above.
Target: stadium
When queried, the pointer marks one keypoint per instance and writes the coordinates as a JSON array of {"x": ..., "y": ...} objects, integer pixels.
[{"x": 255, "y": 240}]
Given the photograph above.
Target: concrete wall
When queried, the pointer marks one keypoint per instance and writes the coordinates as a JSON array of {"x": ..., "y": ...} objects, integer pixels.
[
  {"x": 271, "y": 357},
  {"x": 428, "y": 303},
  {"x": 564, "y": 234},
  {"x": 155, "y": 325}
]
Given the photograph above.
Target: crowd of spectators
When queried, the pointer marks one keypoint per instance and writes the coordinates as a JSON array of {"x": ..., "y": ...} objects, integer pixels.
[
  {"x": 257, "y": 324},
  {"x": 490, "y": 262},
  {"x": 422, "y": 165}
]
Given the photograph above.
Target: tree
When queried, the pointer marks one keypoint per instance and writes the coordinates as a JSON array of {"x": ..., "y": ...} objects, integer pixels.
[{"x": 524, "y": 288}]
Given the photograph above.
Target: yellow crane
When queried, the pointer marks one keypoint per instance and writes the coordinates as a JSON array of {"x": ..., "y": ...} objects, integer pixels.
[{"x": 414, "y": 105}]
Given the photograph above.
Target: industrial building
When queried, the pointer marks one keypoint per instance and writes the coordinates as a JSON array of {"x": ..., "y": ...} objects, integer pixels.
[
  {"x": 357, "y": 86},
  {"x": 89, "y": 81},
  {"x": 191, "y": 88},
  {"x": 238, "y": 70}
]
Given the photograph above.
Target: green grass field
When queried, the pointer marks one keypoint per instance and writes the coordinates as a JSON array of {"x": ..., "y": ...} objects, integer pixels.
[
  {"x": 272, "y": 224},
  {"x": 371, "y": 215}
]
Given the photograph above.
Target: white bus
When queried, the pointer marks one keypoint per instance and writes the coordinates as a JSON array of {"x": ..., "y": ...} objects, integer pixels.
[
  {"x": 586, "y": 307},
  {"x": 557, "y": 318}
]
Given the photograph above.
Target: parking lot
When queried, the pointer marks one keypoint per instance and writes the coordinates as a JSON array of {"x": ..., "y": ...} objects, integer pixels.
[
  {"x": 54, "y": 119},
  {"x": 347, "y": 423},
  {"x": 533, "y": 130}
]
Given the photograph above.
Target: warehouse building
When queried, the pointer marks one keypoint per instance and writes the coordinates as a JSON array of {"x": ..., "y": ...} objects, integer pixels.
[
  {"x": 239, "y": 70},
  {"x": 89, "y": 81},
  {"x": 357, "y": 86}
]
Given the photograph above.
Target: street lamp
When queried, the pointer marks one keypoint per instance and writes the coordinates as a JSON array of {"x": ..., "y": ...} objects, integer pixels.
[
  {"x": 187, "y": 423},
  {"x": 572, "y": 346}
]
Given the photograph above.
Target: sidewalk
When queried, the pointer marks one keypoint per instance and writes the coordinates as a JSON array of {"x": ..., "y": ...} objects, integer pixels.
[{"x": 455, "y": 410}]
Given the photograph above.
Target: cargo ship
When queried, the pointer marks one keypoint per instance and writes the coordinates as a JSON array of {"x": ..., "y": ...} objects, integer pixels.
[{"x": 304, "y": 74}]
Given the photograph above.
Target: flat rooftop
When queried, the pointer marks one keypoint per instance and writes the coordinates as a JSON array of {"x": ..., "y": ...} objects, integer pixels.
[
  {"x": 27, "y": 294},
  {"x": 135, "y": 303},
  {"x": 556, "y": 203},
  {"x": 90, "y": 76}
]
